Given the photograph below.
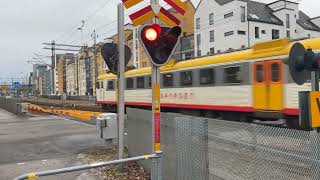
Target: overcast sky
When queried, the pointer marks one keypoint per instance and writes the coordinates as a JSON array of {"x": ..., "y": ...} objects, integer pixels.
[{"x": 26, "y": 24}]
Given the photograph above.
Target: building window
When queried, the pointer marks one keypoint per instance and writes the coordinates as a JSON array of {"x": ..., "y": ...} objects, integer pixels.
[
  {"x": 186, "y": 78},
  {"x": 242, "y": 32},
  {"x": 110, "y": 85},
  {"x": 211, "y": 19},
  {"x": 243, "y": 14},
  {"x": 206, "y": 76},
  {"x": 212, "y": 36},
  {"x": 309, "y": 36},
  {"x": 212, "y": 50},
  {"x": 199, "y": 53},
  {"x": 198, "y": 39},
  {"x": 256, "y": 32},
  {"x": 140, "y": 82},
  {"x": 198, "y": 23},
  {"x": 129, "y": 83},
  {"x": 275, "y": 34},
  {"x": 232, "y": 75},
  {"x": 287, "y": 20},
  {"x": 167, "y": 80},
  {"x": 228, "y": 33},
  {"x": 288, "y": 34},
  {"x": 228, "y": 15},
  {"x": 144, "y": 64}
]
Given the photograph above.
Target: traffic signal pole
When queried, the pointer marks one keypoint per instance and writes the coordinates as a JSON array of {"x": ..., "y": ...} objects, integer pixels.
[
  {"x": 155, "y": 100},
  {"x": 156, "y": 172}
]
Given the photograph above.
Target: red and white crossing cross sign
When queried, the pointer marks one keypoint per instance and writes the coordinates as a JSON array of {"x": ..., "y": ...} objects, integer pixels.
[
  {"x": 142, "y": 16},
  {"x": 177, "y": 5},
  {"x": 130, "y": 3},
  {"x": 148, "y": 13}
]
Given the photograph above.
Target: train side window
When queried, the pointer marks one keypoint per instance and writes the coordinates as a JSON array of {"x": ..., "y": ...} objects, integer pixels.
[
  {"x": 259, "y": 73},
  {"x": 207, "y": 76},
  {"x": 140, "y": 82},
  {"x": 129, "y": 83},
  {"x": 167, "y": 80},
  {"x": 275, "y": 72},
  {"x": 149, "y": 81},
  {"x": 110, "y": 85},
  {"x": 186, "y": 78},
  {"x": 232, "y": 75},
  {"x": 98, "y": 85}
]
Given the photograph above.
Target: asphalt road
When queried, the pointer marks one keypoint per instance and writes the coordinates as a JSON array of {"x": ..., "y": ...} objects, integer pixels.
[{"x": 29, "y": 144}]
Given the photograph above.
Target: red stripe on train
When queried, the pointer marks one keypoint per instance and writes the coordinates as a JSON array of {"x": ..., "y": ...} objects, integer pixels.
[
  {"x": 291, "y": 111},
  {"x": 188, "y": 106}
]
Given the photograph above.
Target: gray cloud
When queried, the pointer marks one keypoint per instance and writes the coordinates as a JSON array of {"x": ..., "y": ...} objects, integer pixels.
[{"x": 25, "y": 24}]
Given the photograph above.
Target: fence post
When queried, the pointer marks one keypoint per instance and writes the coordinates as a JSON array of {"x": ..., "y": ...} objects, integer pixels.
[{"x": 156, "y": 169}]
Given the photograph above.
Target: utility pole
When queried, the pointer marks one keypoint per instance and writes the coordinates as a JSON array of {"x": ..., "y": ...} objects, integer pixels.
[
  {"x": 121, "y": 105},
  {"x": 53, "y": 65},
  {"x": 95, "y": 36}
]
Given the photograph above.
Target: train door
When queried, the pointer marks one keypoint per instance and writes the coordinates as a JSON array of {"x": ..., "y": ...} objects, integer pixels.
[{"x": 268, "y": 85}]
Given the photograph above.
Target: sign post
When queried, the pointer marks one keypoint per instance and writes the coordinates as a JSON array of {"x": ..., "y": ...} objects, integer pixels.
[{"x": 121, "y": 106}]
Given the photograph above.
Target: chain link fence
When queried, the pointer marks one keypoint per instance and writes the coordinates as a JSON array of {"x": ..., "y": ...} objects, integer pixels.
[
  {"x": 209, "y": 149},
  {"x": 242, "y": 151}
]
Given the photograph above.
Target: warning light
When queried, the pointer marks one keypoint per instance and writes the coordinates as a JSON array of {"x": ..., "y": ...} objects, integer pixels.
[
  {"x": 151, "y": 34},
  {"x": 159, "y": 42}
]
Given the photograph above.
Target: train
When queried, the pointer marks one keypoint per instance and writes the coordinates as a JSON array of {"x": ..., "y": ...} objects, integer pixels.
[{"x": 245, "y": 85}]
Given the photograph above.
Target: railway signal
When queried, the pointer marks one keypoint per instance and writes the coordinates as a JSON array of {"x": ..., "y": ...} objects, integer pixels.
[
  {"x": 301, "y": 62},
  {"x": 159, "y": 42},
  {"x": 109, "y": 52}
]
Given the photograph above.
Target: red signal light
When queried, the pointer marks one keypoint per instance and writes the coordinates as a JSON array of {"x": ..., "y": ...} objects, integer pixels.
[{"x": 152, "y": 33}]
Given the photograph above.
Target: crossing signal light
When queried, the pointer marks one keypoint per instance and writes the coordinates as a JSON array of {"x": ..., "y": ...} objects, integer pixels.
[
  {"x": 159, "y": 42},
  {"x": 302, "y": 61}
]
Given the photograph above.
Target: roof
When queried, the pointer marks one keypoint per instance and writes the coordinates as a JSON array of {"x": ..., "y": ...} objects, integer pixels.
[
  {"x": 260, "y": 12},
  {"x": 260, "y": 50},
  {"x": 305, "y": 22},
  {"x": 222, "y": 2}
]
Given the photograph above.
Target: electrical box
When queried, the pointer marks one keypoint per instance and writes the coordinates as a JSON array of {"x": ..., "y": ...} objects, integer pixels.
[{"x": 107, "y": 126}]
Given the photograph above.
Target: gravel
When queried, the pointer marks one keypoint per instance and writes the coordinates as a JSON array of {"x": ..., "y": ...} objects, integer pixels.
[{"x": 131, "y": 170}]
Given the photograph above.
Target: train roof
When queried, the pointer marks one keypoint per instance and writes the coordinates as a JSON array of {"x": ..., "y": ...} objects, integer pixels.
[{"x": 267, "y": 49}]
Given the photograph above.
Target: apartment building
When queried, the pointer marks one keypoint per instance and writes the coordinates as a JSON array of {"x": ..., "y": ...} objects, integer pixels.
[
  {"x": 228, "y": 25},
  {"x": 61, "y": 60}
]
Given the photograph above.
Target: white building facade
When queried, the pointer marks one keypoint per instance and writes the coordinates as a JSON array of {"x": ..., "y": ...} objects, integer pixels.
[{"x": 227, "y": 25}]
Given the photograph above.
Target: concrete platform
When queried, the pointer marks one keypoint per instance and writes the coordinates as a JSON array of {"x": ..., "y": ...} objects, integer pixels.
[{"x": 29, "y": 144}]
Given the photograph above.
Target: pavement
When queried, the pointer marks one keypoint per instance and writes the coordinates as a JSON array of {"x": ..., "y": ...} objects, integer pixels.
[{"x": 30, "y": 144}]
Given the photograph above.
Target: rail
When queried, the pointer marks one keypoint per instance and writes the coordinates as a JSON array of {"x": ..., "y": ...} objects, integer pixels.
[{"x": 156, "y": 167}]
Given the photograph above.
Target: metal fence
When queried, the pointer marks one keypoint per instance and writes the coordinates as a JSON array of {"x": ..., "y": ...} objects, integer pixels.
[{"x": 244, "y": 151}]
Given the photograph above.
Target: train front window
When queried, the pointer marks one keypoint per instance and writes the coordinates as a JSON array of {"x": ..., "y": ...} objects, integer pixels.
[
  {"x": 259, "y": 73},
  {"x": 110, "y": 85},
  {"x": 275, "y": 72},
  {"x": 98, "y": 85}
]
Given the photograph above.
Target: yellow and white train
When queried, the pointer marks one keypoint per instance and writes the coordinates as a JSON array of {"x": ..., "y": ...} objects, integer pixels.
[{"x": 243, "y": 85}]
